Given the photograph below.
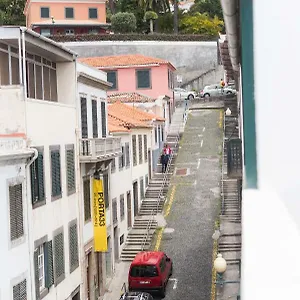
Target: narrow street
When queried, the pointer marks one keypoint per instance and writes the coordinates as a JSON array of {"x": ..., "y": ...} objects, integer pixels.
[{"x": 192, "y": 209}]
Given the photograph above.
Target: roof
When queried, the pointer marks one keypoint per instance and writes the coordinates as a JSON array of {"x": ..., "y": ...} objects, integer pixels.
[
  {"x": 84, "y": 23},
  {"x": 129, "y": 60},
  {"x": 129, "y": 98},
  {"x": 122, "y": 117},
  {"x": 147, "y": 258}
]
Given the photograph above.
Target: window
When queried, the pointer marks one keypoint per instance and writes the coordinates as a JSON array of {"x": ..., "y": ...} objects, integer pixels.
[
  {"x": 20, "y": 291},
  {"x": 59, "y": 257},
  {"x": 134, "y": 158},
  {"x": 95, "y": 118},
  {"x": 93, "y": 13},
  {"x": 144, "y": 271},
  {"x": 155, "y": 134},
  {"x": 162, "y": 264},
  {"x": 106, "y": 189},
  {"x": 113, "y": 165},
  {"x": 114, "y": 210},
  {"x": 162, "y": 133},
  {"x": 70, "y": 165},
  {"x": 103, "y": 117},
  {"x": 37, "y": 179},
  {"x": 122, "y": 207},
  {"x": 112, "y": 78},
  {"x": 16, "y": 211},
  {"x": 142, "y": 191},
  {"x": 84, "y": 126},
  {"x": 43, "y": 267},
  {"x": 122, "y": 159},
  {"x": 140, "y": 149},
  {"x": 69, "y": 12},
  {"x": 55, "y": 173},
  {"x": 4, "y": 68},
  {"x": 73, "y": 246},
  {"x": 69, "y": 31},
  {"x": 93, "y": 31},
  {"x": 143, "y": 79},
  {"x": 127, "y": 155},
  {"x": 45, "y": 32},
  {"x": 87, "y": 199},
  {"x": 121, "y": 239},
  {"x": 45, "y": 12},
  {"x": 145, "y": 148}
]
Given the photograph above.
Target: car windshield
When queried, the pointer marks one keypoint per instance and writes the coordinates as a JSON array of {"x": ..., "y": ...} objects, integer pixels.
[{"x": 144, "y": 271}]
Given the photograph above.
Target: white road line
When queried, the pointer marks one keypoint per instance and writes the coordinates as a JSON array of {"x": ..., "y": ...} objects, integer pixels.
[
  {"x": 201, "y": 143},
  {"x": 203, "y": 129},
  {"x": 195, "y": 182},
  {"x": 198, "y": 165},
  {"x": 175, "y": 283}
]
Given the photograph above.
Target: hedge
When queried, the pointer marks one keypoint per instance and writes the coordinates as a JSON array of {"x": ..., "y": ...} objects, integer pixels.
[{"x": 133, "y": 37}]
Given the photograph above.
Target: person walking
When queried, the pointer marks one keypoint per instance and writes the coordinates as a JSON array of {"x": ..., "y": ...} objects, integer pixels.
[
  {"x": 167, "y": 152},
  {"x": 164, "y": 162}
]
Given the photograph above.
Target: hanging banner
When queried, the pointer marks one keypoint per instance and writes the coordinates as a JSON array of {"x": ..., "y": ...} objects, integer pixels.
[{"x": 99, "y": 217}]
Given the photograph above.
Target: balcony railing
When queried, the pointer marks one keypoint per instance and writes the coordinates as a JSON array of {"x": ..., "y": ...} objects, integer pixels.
[{"x": 99, "y": 149}]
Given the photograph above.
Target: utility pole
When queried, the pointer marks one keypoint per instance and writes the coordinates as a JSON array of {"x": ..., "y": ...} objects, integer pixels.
[{"x": 175, "y": 16}]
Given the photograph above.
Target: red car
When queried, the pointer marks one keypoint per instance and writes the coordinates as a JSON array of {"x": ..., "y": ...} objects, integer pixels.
[{"x": 150, "y": 272}]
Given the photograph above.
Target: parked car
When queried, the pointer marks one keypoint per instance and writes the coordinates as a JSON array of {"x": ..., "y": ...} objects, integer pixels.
[
  {"x": 136, "y": 296},
  {"x": 216, "y": 90},
  {"x": 183, "y": 94},
  {"x": 150, "y": 272}
]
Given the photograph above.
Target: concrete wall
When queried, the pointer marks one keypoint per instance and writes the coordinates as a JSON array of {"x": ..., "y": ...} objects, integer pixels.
[{"x": 190, "y": 58}]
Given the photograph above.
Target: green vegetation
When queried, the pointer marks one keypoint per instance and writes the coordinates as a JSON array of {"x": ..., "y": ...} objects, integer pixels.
[
  {"x": 11, "y": 12},
  {"x": 123, "y": 22}
]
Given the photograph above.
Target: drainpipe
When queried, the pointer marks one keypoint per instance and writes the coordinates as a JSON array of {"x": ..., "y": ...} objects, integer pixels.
[
  {"x": 230, "y": 13},
  {"x": 27, "y": 166}
]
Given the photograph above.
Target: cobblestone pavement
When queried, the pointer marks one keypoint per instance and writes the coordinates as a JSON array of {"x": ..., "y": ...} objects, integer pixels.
[{"x": 193, "y": 209}]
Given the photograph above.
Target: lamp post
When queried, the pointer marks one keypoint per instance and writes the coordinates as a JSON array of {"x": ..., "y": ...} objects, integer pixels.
[{"x": 220, "y": 265}]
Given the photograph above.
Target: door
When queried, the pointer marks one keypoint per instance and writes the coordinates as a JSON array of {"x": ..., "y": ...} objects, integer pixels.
[
  {"x": 89, "y": 277},
  {"x": 129, "y": 217},
  {"x": 76, "y": 296},
  {"x": 135, "y": 198},
  {"x": 99, "y": 272},
  {"x": 149, "y": 164},
  {"x": 116, "y": 243}
]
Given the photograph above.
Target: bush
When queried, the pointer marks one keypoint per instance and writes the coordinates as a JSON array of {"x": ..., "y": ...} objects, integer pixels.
[
  {"x": 123, "y": 22},
  {"x": 150, "y": 15}
]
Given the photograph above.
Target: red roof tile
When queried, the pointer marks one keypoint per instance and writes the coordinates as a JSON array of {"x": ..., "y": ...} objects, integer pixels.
[
  {"x": 129, "y": 98},
  {"x": 115, "y": 61}
]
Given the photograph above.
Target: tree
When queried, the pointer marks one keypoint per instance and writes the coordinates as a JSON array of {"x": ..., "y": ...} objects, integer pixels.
[
  {"x": 11, "y": 12},
  {"x": 150, "y": 16},
  {"x": 201, "y": 24},
  {"x": 123, "y": 22},
  {"x": 211, "y": 7}
]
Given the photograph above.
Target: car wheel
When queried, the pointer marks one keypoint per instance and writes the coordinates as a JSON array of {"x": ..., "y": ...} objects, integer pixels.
[
  {"x": 206, "y": 96},
  {"x": 228, "y": 93},
  {"x": 163, "y": 291},
  {"x": 190, "y": 97}
]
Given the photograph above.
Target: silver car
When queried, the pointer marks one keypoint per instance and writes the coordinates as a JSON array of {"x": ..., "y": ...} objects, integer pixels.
[
  {"x": 216, "y": 90},
  {"x": 183, "y": 94}
]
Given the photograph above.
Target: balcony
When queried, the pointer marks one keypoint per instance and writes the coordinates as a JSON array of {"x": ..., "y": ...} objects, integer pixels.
[{"x": 99, "y": 149}]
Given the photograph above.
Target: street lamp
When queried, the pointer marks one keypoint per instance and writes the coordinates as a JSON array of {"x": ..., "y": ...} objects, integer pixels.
[{"x": 220, "y": 265}]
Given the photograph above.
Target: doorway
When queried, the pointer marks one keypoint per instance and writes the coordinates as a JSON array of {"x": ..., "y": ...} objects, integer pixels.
[
  {"x": 135, "y": 198},
  {"x": 129, "y": 217},
  {"x": 99, "y": 273},
  {"x": 116, "y": 243},
  {"x": 76, "y": 296},
  {"x": 89, "y": 276}
]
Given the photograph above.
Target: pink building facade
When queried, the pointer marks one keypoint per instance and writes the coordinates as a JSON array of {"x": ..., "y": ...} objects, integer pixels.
[{"x": 66, "y": 17}]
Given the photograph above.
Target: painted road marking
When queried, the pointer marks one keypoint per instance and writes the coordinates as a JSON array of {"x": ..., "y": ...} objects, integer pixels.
[
  {"x": 170, "y": 201},
  {"x": 201, "y": 143},
  {"x": 203, "y": 129},
  {"x": 175, "y": 283},
  {"x": 198, "y": 165},
  {"x": 158, "y": 241}
]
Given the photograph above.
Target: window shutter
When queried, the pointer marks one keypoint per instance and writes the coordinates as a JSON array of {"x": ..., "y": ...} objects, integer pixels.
[
  {"x": 70, "y": 170},
  {"x": 103, "y": 118},
  {"x": 127, "y": 154},
  {"x": 40, "y": 176},
  {"x": 16, "y": 211},
  {"x": 134, "y": 158},
  {"x": 20, "y": 291},
  {"x": 34, "y": 183},
  {"x": 36, "y": 275},
  {"x": 106, "y": 187},
  {"x": 95, "y": 118},
  {"x": 87, "y": 200},
  {"x": 145, "y": 148},
  {"x": 49, "y": 278},
  {"x": 143, "y": 79},
  {"x": 55, "y": 172},
  {"x": 59, "y": 259},
  {"x": 140, "y": 149},
  {"x": 84, "y": 125},
  {"x": 73, "y": 247}
]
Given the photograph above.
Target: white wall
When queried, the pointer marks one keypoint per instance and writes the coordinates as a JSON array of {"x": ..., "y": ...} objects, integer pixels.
[
  {"x": 14, "y": 257},
  {"x": 50, "y": 124},
  {"x": 271, "y": 214}
]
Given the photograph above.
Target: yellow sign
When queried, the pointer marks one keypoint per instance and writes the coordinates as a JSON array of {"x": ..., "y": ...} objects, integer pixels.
[{"x": 99, "y": 217}]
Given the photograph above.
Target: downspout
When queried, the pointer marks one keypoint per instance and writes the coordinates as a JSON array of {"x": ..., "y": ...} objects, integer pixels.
[
  {"x": 230, "y": 13},
  {"x": 27, "y": 166}
]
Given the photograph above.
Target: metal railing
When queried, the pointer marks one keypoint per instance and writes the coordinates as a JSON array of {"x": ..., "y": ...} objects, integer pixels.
[
  {"x": 99, "y": 147},
  {"x": 222, "y": 170},
  {"x": 160, "y": 197}
]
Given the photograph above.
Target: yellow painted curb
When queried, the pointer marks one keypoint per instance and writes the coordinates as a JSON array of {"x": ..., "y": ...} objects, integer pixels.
[
  {"x": 214, "y": 273},
  {"x": 221, "y": 119},
  {"x": 168, "y": 209},
  {"x": 158, "y": 241}
]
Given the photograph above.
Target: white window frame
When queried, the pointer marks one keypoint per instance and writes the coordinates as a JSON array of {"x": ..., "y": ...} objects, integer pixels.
[{"x": 41, "y": 265}]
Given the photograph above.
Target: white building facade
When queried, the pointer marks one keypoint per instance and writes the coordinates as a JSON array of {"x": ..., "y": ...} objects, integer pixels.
[{"x": 38, "y": 90}]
